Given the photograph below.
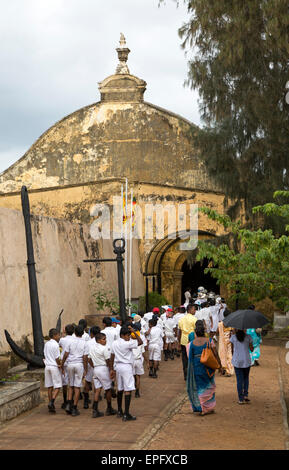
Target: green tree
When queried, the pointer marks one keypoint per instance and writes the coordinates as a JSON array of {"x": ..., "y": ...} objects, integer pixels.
[
  {"x": 259, "y": 266},
  {"x": 240, "y": 65}
]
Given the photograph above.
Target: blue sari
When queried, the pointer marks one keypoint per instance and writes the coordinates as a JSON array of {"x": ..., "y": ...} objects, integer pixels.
[
  {"x": 200, "y": 387},
  {"x": 257, "y": 340}
]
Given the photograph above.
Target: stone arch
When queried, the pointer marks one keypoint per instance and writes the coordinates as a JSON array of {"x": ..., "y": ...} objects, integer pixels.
[{"x": 163, "y": 267}]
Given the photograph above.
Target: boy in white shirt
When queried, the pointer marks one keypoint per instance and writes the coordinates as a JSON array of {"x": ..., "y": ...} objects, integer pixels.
[
  {"x": 138, "y": 368},
  {"x": 109, "y": 331},
  {"x": 76, "y": 354},
  {"x": 205, "y": 313},
  {"x": 52, "y": 361},
  {"x": 88, "y": 378},
  {"x": 154, "y": 336},
  {"x": 103, "y": 373},
  {"x": 122, "y": 356},
  {"x": 63, "y": 342},
  {"x": 169, "y": 323}
]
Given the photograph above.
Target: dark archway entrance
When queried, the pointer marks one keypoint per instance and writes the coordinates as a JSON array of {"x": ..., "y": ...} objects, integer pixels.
[{"x": 195, "y": 277}]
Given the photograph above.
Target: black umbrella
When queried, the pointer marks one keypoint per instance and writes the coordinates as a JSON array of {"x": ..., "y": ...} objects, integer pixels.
[{"x": 243, "y": 319}]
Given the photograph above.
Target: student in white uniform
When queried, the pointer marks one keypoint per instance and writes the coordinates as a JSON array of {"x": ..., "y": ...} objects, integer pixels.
[
  {"x": 76, "y": 354},
  {"x": 170, "y": 339},
  {"x": 63, "y": 342},
  {"x": 52, "y": 361},
  {"x": 205, "y": 313},
  {"x": 122, "y": 357},
  {"x": 109, "y": 331},
  {"x": 138, "y": 368},
  {"x": 154, "y": 335},
  {"x": 181, "y": 312},
  {"x": 99, "y": 359},
  {"x": 115, "y": 323},
  {"x": 88, "y": 378}
]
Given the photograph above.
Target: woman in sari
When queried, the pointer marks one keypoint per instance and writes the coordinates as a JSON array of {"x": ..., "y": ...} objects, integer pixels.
[
  {"x": 257, "y": 340},
  {"x": 200, "y": 379},
  {"x": 225, "y": 347}
]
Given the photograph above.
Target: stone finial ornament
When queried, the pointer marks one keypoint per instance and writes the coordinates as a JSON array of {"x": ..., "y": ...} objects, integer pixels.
[{"x": 122, "y": 52}]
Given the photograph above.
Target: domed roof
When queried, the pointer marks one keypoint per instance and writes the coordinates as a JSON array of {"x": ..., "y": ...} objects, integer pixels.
[{"x": 120, "y": 136}]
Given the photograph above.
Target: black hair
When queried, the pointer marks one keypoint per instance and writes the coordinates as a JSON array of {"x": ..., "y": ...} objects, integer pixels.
[
  {"x": 240, "y": 335},
  {"x": 153, "y": 322},
  {"x": 155, "y": 318},
  {"x": 136, "y": 326},
  {"x": 200, "y": 328},
  {"x": 99, "y": 336},
  {"x": 124, "y": 331},
  {"x": 182, "y": 309},
  {"x": 69, "y": 329},
  {"x": 82, "y": 323},
  {"x": 226, "y": 312},
  {"x": 212, "y": 302},
  {"x": 52, "y": 332},
  {"x": 107, "y": 321},
  {"x": 78, "y": 331},
  {"x": 94, "y": 330},
  {"x": 190, "y": 306}
]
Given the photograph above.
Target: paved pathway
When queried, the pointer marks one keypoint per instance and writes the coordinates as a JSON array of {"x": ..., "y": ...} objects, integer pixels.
[
  {"x": 39, "y": 429},
  {"x": 258, "y": 426}
]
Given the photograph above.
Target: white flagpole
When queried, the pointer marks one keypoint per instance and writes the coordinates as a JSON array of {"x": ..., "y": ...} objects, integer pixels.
[
  {"x": 130, "y": 250},
  {"x": 125, "y": 257}
]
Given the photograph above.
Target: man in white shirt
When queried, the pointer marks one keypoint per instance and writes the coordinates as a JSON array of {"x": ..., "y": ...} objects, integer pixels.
[
  {"x": 63, "y": 342},
  {"x": 109, "y": 331},
  {"x": 52, "y": 361},
  {"x": 76, "y": 354},
  {"x": 205, "y": 314},
  {"x": 169, "y": 327},
  {"x": 99, "y": 359},
  {"x": 154, "y": 336},
  {"x": 89, "y": 376},
  {"x": 122, "y": 357},
  {"x": 214, "y": 313}
]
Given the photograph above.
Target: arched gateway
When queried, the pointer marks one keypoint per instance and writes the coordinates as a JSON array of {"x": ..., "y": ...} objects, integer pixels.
[{"x": 168, "y": 272}]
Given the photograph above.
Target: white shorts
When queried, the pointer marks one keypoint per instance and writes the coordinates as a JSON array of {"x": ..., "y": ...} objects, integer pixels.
[
  {"x": 137, "y": 367},
  {"x": 124, "y": 377},
  {"x": 89, "y": 374},
  {"x": 170, "y": 338},
  {"x": 65, "y": 377},
  {"x": 75, "y": 374},
  {"x": 155, "y": 353},
  {"x": 53, "y": 377},
  {"x": 101, "y": 377}
]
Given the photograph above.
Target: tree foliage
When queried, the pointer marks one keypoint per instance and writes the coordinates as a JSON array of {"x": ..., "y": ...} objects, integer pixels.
[
  {"x": 259, "y": 268},
  {"x": 240, "y": 65}
]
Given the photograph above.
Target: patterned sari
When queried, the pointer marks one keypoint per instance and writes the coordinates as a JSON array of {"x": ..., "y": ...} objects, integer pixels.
[
  {"x": 257, "y": 340},
  {"x": 200, "y": 387},
  {"x": 225, "y": 348}
]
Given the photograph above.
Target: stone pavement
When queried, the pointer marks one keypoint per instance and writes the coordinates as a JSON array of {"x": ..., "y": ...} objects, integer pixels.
[{"x": 40, "y": 430}]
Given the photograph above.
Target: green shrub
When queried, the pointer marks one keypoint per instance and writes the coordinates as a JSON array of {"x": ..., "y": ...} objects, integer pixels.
[{"x": 155, "y": 300}]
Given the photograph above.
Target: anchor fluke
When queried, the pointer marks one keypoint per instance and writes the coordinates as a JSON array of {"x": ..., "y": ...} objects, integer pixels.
[
  {"x": 32, "y": 359},
  {"x": 58, "y": 324}
]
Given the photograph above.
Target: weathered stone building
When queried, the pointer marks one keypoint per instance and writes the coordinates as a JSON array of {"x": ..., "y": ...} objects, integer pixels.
[{"x": 84, "y": 158}]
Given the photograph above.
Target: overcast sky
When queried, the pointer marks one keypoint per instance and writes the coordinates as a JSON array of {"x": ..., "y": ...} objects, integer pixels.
[{"x": 53, "y": 53}]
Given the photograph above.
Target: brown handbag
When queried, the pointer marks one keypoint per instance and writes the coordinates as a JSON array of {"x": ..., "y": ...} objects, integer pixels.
[{"x": 209, "y": 359}]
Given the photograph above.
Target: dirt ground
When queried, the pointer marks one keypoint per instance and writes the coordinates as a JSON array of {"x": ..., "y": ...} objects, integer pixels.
[{"x": 257, "y": 426}]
